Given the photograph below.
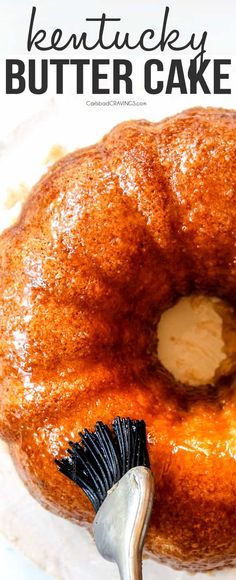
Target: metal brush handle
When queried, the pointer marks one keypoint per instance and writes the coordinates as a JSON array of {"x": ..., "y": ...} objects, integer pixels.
[{"x": 121, "y": 522}]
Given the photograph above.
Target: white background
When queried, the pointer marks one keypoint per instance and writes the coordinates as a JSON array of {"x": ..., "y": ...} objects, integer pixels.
[{"x": 29, "y": 126}]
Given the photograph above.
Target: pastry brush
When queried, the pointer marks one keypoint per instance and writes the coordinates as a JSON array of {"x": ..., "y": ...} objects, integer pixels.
[{"x": 112, "y": 467}]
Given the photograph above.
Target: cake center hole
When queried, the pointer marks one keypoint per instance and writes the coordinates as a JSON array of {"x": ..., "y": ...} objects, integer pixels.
[{"x": 197, "y": 340}]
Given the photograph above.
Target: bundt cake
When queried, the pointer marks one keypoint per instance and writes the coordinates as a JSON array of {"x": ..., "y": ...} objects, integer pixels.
[{"x": 110, "y": 237}]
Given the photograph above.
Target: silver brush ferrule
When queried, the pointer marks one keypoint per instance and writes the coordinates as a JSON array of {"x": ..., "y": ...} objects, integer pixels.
[{"x": 121, "y": 522}]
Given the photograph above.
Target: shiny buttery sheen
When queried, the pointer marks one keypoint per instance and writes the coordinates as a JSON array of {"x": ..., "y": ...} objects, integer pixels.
[{"x": 110, "y": 237}]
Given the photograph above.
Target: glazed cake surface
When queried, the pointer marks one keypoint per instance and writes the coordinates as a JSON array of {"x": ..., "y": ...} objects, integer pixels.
[{"x": 109, "y": 238}]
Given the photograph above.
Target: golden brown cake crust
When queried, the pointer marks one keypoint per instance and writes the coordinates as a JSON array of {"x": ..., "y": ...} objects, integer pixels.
[{"x": 109, "y": 238}]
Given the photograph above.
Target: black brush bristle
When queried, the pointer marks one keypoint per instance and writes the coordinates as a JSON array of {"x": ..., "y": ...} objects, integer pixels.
[{"x": 102, "y": 457}]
